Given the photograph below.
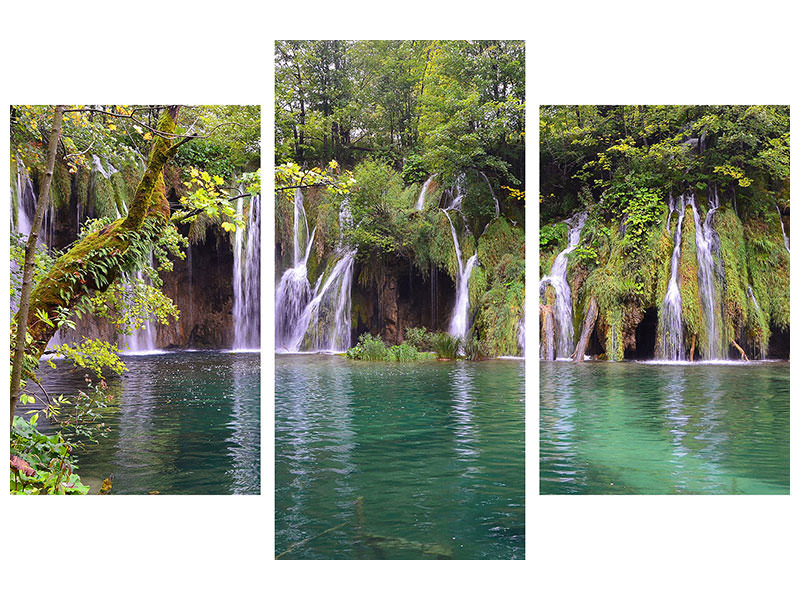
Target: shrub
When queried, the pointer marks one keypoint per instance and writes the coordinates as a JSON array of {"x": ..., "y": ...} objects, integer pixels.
[{"x": 369, "y": 347}]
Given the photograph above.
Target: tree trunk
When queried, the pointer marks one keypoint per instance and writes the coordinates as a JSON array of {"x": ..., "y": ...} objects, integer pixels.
[
  {"x": 108, "y": 251},
  {"x": 30, "y": 254},
  {"x": 586, "y": 332}
]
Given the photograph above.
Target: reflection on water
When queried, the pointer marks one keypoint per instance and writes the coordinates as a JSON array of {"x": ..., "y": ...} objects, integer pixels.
[
  {"x": 182, "y": 423},
  {"x": 633, "y": 428},
  {"x": 434, "y": 450}
]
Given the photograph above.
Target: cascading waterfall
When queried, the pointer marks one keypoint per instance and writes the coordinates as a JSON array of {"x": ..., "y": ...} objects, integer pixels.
[
  {"x": 459, "y": 320},
  {"x": 558, "y": 279},
  {"x": 458, "y": 194},
  {"x": 325, "y": 321},
  {"x": 706, "y": 278},
  {"x": 521, "y": 335},
  {"x": 318, "y": 320},
  {"x": 247, "y": 278},
  {"x": 24, "y": 209},
  {"x": 783, "y": 229},
  {"x": 294, "y": 291},
  {"x": 671, "y": 325},
  {"x": 421, "y": 200}
]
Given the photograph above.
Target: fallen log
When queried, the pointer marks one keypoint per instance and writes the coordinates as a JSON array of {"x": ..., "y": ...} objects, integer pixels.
[
  {"x": 741, "y": 351},
  {"x": 586, "y": 332}
]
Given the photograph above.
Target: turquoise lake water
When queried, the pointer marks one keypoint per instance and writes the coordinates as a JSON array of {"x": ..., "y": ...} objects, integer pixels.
[
  {"x": 406, "y": 461},
  {"x": 644, "y": 428},
  {"x": 181, "y": 423}
]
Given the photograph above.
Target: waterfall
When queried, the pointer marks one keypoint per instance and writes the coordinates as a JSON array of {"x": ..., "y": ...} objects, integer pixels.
[
  {"x": 318, "y": 319},
  {"x": 783, "y": 229},
  {"x": 762, "y": 350},
  {"x": 24, "y": 209},
  {"x": 706, "y": 278},
  {"x": 671, "y": 322},
  {"x": 325, "y": 320},
  {"x": 25, "y": 206},
  {"x": 459, "y": 320},
  {"x": 247, "y": 278},
  {"x": 558, "y": 279},
  {"x": 421, "y": 200},
  {"x": 141, "y": 341},
  {"x": 521, "y": 335},
  {"x": 457, "y": 195},
  {"x": 293, "y": 291}
]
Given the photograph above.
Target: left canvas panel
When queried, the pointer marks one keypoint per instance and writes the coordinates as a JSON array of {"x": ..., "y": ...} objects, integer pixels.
[{"x": 135, "y": 262}]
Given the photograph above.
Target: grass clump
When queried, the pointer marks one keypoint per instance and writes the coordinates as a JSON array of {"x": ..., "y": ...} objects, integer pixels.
[{"x": 445, "y": 345}]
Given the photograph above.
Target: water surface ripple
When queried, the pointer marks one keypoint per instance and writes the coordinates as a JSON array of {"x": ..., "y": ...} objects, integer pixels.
[
  {"x": 181, "y": 423},
  {"x": 638, "y": 428},
  {"x": 434, "y": 450}
]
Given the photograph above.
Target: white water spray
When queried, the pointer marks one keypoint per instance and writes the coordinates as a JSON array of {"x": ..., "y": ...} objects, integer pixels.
[
  {"x": 558, "y": 279},
  {"x": 247, "y": 278},
  {"x": 459, "y": 319},
  {"x": 671, "y": 326},
  {"x": 421, "y": 200}
]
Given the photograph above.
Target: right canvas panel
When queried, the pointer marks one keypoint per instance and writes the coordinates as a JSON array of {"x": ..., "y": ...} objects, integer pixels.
[{"x": 664, "y": 299}]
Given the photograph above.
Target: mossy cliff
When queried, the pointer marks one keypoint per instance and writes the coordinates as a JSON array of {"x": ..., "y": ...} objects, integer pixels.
[{"x": 751, "y": 275}]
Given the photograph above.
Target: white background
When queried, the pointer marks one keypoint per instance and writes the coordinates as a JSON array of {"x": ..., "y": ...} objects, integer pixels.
[{"x": 221, "y": 53}]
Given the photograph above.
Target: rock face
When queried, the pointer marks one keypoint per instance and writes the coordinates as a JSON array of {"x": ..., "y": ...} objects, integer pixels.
[
  {"x": 201, "y": 287},
  {"x": 401, "y": 300}
]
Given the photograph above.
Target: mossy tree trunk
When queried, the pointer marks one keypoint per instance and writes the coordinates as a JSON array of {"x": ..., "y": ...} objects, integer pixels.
[
  {"x": 74, "y": 275},
  {"x": 30, "y": 257}
]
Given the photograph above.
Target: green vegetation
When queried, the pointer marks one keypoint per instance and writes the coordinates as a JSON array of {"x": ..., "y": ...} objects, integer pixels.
[{"x": 373, "y": 348}]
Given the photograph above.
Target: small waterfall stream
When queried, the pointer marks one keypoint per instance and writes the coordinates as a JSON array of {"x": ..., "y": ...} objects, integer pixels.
[
  {"x": 459, "y": 320},
  {"x": 783, "y": 229},
  {"x": 24, "y": 208},
  {"x": 671, "y": 321},
  {"x": 247, "y": 278},
  {"x": 491, "y": 189},
  {"x": 557, "y": 278},
  {"x": 706, "y": 277},
  {"x": 421, "y": 200},
  {"x": 761, "y": 349}
]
